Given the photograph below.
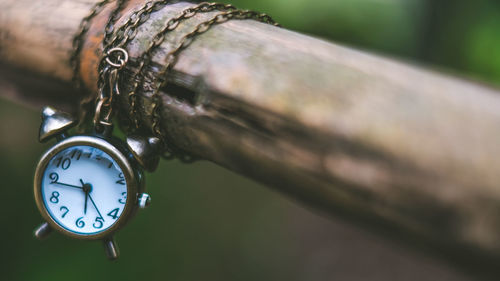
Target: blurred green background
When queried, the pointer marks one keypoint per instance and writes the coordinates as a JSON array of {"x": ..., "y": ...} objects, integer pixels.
[{"x": 207, "y": 223}]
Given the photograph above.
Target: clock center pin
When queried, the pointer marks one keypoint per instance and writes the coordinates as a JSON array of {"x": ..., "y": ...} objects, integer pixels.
[{"x": 87, "y": 188}]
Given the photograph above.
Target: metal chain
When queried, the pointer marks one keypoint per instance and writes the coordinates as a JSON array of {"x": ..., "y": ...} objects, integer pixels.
[
  {"x": 146, "y": 57},
  {"x": 77, "y": 44},
  {"x": 113, "y": 18},
  {"x": 107, "y": 70},
  {"x": 116, "y": 59},
  {"x": 115, "y": 56},
  {"x": 171, "y": 59},
  {"x": 78, "y": 41},
  {"x": 127, "y": 31},
  {"x": 111, "y": 44}
]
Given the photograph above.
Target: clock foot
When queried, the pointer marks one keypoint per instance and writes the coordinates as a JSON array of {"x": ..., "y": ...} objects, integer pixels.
[
  {"x": 111, "y": 249},
  {"x": 43, "y": 231}
]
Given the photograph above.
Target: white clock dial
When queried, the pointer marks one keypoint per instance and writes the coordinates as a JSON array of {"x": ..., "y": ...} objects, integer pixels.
[{"x": 84, "y": 190}]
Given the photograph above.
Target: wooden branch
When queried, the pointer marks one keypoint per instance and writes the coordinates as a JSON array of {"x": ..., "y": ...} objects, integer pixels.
[{"x": 352, "y": 133}]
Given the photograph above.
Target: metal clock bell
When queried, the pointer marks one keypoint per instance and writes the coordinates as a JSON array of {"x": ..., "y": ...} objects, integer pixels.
[{"x": 89, "y": 186}]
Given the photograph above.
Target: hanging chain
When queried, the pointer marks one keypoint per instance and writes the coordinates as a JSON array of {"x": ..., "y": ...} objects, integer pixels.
[
  {"x": 115, "y": 57},
  {"x": 105, "y": 91},
  {"x": 126, "y": 32},
  {"x": 74, "y": 59},
  {"x": 78, "y": 42},
  {"x": 108, "y": 70}
]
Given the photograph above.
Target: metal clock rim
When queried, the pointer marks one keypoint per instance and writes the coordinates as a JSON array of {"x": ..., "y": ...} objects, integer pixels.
[{"x": 121, "y": 160}]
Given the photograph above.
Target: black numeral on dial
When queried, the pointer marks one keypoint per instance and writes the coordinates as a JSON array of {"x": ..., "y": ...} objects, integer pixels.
[
  {"x": 114, "y": 213},
  {"x": 98, "y": 222},
  {"x": 65, "y": 211},
  {"x": 53, "y": 177},
  {"x": 123, "y": 199},
  {"x": 80, "y": 223},
  {"x": 121, "y": 179},
  {"x": 76, "y": 153},
  {"x": 64, "y": 163},
  {"x": 55, "y": 197}
]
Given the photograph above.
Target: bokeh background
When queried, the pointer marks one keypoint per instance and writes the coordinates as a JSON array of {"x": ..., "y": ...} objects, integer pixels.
[{"x": 207, "y": 223}]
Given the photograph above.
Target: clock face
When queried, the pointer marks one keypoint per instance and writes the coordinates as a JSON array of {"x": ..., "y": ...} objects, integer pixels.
[{"x": 83, "y": 189}]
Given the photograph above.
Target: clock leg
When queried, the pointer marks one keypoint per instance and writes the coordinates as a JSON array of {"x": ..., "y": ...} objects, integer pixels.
[
  {"x": 43, "y": 231},
  {"x": 111, "y": 249}
]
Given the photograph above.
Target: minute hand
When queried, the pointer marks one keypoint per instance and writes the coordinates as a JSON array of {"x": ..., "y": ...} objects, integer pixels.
[
  {"x": 65, "y": 184},
  {"x": 93, "y": 203}
]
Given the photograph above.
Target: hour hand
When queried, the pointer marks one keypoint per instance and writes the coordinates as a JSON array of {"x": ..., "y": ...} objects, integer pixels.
[
  {"x": 86, "y": 189},
  {"x": 86, "y": 200}
]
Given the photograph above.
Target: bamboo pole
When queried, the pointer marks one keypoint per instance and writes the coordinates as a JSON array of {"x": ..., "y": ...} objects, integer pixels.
[{"x": 354, "y": 134}]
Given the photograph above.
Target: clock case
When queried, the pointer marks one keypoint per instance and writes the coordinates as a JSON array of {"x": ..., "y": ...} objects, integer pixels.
[
  {"x": 134, "y": 156},
  {"x": 133, "y": 176}
]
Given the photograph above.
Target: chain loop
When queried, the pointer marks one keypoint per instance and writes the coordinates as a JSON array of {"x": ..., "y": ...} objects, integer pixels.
[{"x": 122, "y": 57}]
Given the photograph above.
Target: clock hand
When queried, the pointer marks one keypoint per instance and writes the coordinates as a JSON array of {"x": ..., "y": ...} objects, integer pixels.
[
  {"x": 65, "y": 184},
  {"x": 93, "y": 203},
  {"x": 86, "y": 190},
  {"x": 86, "y": 200}
]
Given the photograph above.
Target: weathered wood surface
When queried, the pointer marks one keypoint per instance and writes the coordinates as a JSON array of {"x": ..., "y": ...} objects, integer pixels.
[{"x": 348, "y": 132}]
